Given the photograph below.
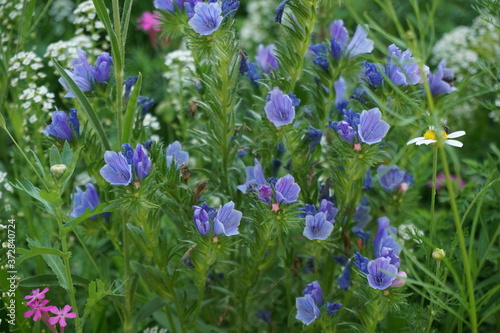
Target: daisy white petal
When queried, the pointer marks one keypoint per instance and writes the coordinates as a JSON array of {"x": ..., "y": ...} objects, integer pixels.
[
  {"x": 426, "y": 142},
  {"x": 456, "y": 134},
  {"x": 454, "y": 143},
  {"x": 415, "y": 140}
]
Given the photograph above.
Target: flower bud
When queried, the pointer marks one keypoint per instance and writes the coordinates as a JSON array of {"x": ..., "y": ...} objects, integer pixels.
[
  {"x": 58, "y": 170},
  {"x": 357, "y": 147},
  {"x": 438, "y": 254},
  {"x": 399, "y": 282}
]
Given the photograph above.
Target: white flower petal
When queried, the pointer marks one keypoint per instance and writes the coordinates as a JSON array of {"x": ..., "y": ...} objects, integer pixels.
[
  {"x": 454, "y": 143},
  {"x": 426, "y": 142},
  {"x": 456, "y": 134},
  {"x": 415, "y": 140}
]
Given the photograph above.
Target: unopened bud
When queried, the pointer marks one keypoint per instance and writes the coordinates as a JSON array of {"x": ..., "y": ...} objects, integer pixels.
[
  {"x": 357, "y": 147},
  {"x": 58, "y": 170},
  {"x": 438, "y": 254},
  {"x": 403, "y": 187},
  {"x": 185, "y": 172},
  {"x": 275, "y": 207},
  {"x": 399, "y": 282}
]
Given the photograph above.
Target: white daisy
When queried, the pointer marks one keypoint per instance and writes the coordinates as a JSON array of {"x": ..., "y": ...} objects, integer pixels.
[{"x": 430, "y": 137}]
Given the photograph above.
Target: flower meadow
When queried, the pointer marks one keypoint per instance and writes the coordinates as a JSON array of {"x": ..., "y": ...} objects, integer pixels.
[{"x": 250, "y": 166}]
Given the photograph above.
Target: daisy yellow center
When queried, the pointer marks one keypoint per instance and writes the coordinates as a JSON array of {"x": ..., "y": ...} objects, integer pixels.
[{"x": 431, "y": 135}]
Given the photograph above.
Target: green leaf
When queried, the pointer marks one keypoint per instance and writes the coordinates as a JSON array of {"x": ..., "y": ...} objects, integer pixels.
[
  {"x": 50, "y": 280},
  {"x": 71, "y": 165},
  {"x": 131, "y": 107},
  {"x": 102, "y": 208},
  {"x": 26, "y": 186},
  {"x": 116, "y": 49},
  {"x": 97, "y": 291},
  {"x": 153, "y": 278},
  {"x": 149, "y": 308},
  {"x": 84, "y": 102},
  {"x": 67, "y": 154},
  {"x": 55, "y": 156}
]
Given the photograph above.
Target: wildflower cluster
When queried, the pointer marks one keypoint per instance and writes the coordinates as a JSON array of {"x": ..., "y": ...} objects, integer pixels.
[{"x": 40, "y": 310}]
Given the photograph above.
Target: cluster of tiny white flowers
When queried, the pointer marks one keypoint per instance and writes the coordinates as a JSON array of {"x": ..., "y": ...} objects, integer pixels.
[
  {"x": 9, "y": 12},
  {"x": 38, "y": 95},
  {"x": 180, "y": 63},
  {"x": 155, "y": 330},
  {"x": 255, "y": 29},
  {"x": 5, "y": 184},
  {"x": 61, "y": 10},
  {"x": 26, "y": 66},
  {"x": 87, "y": 21},
  {"x": 151, "y": 122},
  {"x": 65, "y": 51}
]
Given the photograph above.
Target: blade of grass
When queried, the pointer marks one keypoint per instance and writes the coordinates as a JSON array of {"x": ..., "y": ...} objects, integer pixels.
[{"x": 131, "y": 107}]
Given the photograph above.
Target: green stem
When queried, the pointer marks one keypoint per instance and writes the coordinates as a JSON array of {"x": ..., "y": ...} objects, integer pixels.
[
  {"x": 461, "y": 240},
  {"x": 127, "y": 326}
]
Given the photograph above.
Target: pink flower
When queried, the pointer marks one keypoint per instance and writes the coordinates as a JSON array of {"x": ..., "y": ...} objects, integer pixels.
[
  {"x": 148, "y": 21},
  {"x": 441, "y": 181},
  {"x": 36, "y": 294},
  {"x": 61, "y": 315},
  {"x": 37, "y": 307}
]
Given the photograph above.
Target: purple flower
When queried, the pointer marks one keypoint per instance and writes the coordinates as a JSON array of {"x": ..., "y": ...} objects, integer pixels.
[
  {"x": 377, "y": 278},
  {"x": 441, "y": 82},
  {"x": 253, "y": 73},
  {"x": 287, "y": 191},
  {"x": 60, "y": 127},
  {"x": 388, "y": 252},
  {"x": 307, "y": 311},
  {"x": 332, "y": 308},
  {"x": 38, "y": 308},
  {"x": 266, "y": 58},
  {"x": 327, "y": 208},
  {"x": 358, "y": 44},
  {"x": 367, "y": 181},
  {"x": 229, "y": 7},
  {"x": 384, "y": 238},
  {"x": 321, "y": 61},
  {"x": 141, "y": 162},
  {"x": 279, "y": 10},
  {"x": 372, "y": 74},
  {"x": 317, "y": 227},
  {"x": 266, "y": 194},
  {"x": 227, "y": 220},
  {"x": 313, "y": 289},
  {"x": 340, "y": 89},
  {"x": 371, "y": 128},
  {"x": 401, "y": 67},
  {"x": 255, "y": 177},
  {"x": 339, "y": 33},
  {"x": 176, "y": 155},
  {"x": 361, "y": 262},
  {"x": 167, "y": 5},
  {"x": 83, "y": 200},
  {"x": 345, "y": 131},
  {"x": 345, "y": 277},
  {"x": 313, "y": 136},
  {"x": 129, "y": 84},
  {"x": 117, "y": 171},
  {"x": 207, "y": 18},
  {"x": 145, "y": 103},
  {"x": 201, "y": 220},
  {"x": 86, "y": 75},
  {"x": 392, "y": 178},
  {"x": 279, "y": 108}
]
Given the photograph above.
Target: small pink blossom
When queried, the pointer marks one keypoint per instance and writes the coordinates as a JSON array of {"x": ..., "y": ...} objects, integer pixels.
[
  {"x": 441, "y": 181},
  {"x": 35, "y": 295},
  {"x": 61, "y": 315},
  {"x": 148, "y": 21},
  {"x": 37, "y": 308}
]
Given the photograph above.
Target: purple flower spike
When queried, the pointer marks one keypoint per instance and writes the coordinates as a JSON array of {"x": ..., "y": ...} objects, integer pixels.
[
  {"x": 201, "y": 220},
  {"x": 255, "y": 177},
  {"x": 102, "y": 70},
  {"x": 141, "y": 162},
  {"x": 176, "y": 155},
  {"x": 313, "y": 289},
  {"x": 383, "y": 238},
  {"x": 377, "y": 278},
  {"x": 287, "y": 191},
  {"x": 60, "y": 127},
  {"x": 441, "y": 82},
  {"x": 279, "y": 108},
  {"x": 317, "y": 227},
  {"x": 371, "y": 129},
  {"x": 227, "y": 220},
  {"x": 359, "y": 44},
  {"x": 307, "y": 311},
  {"x": 83, "y": 200},
  {"x": 207, "y": 18},
  {"x": 266, "y": 58},
  {"x": 117, "y": 171}
]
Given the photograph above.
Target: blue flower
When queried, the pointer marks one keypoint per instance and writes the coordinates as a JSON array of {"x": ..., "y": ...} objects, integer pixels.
[
  {"x": 244, "y": 67},
  {"x": 255, "y": 177},
  {"x": 313, "y": 289},
  {"x": 279, "y": 108},
  {"x": 141, "y": 162},
  {"x": 63, "y": 126},
  {"x": 85, "y": 75},
  {"x": 392, "y": 178},
  {"x": 372, "y": 74},
  {"x": 313, "y": 136},
  {"x": 83, "y": 200},
  {"x": 367, "y": 181},
  {"x": 327, "y": 208},
  {"x": 253, "y": 73},
  {"x": 279, "y": 11},
  {"x": 321, "y": 61},
  {"x": 175, "y": 155},
  {"x": 168, "y": 5},
  {"x": 332, "y": 308},
  {"x": 345, "y": 277},
  {"x": 384, "y": 238},
  {"x": 340, "y": 89},
  {"x": 265, "y": 194},
  {"x": 442, "y": 81},
  {"x": 401, "y": 67},
  {"x": 145, "y": 104},
  {"x": 266, "y": 58},
  {"x": 377, "y": 279},
  {"x": 117, "y": 171},
  {"x": 317, "y": 227},
  {"x": 201, "y": 220},
  {"x": 207, "y": 18},
  {"x": 287, "y": 191},
  {"x": 361, "y": 262},
  {"x": 129, "y": 84},
  {"x": 358, "y": 44},
  {"x": 229, "y": 7},
  {"x": 345, "y": 131},
  {"x": 307, "y": 311},
  {"x": 371, "y": 128},
  {"x": 227, "y": 220}
]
